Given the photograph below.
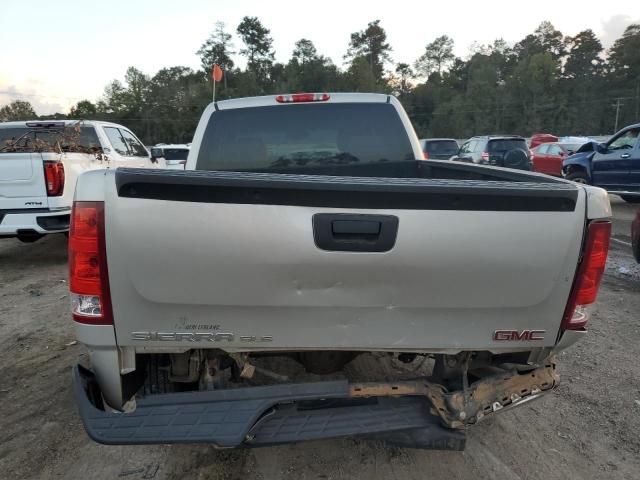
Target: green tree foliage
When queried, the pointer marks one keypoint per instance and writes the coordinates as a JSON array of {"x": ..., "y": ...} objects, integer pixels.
[
  {"x": 533, "y": 85},
  {"x": 545, "y": 39},
  {"x": 307, "y": 71},
  {"x": 83, "y": 109},
  {"x": 258, "y": 48},
  {"x": 582, "y": 83},
  {"x": 437, "y": 56},
  {"x": 624, "y": 58},
  {"x": 304, "y": 52},
  {"x": 360, "y": 77},
  {"x": 583, "y": 55},
  {"x": 402, "y": 81},
  {"x": 545, "y": 82},
  {"x": 17, "y": 110},
  {"x": 371, "y": 45},
  {"x": 218, "y": 48}
]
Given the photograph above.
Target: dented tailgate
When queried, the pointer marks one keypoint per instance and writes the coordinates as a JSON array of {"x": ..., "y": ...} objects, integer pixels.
[{"x": 231, "y": 261}]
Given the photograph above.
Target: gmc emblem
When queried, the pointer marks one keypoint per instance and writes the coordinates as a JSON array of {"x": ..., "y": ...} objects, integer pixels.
[{"x": 518, "y": 336}]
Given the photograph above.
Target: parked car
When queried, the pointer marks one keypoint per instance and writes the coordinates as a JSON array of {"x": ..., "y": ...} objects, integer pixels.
[
  {"x": 40, "y": 162},
  {"x": 548, "y": 157},
  {"x": 282, "y": 248},
  {"x": 173, "y": 157},
  {"x": 613, "y": 165},
  {"x": 540, "y": 138},
  {"x": 508, "y": 151},
  {"x": 439, "y": 148}
]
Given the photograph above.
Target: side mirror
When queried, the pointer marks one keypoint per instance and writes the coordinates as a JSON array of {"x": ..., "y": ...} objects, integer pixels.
[
  {"x": 156, "y": 152},
  {"x": 602, "y": 148}
]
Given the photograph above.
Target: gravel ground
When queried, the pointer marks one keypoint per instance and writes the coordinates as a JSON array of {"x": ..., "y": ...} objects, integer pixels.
[{"x": 588, "y": 428}]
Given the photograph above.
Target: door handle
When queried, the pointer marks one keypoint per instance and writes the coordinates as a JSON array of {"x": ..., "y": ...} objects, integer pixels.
[
  {"x": 625, "y": 155},
  {"x": 340, "y": 232}
]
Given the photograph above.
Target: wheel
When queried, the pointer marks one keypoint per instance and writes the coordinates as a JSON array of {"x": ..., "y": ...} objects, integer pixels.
[
  {"x": 631, "y": 198},
  {"x": 517, "y": 159},
  {"x": 578, "y": 177}
]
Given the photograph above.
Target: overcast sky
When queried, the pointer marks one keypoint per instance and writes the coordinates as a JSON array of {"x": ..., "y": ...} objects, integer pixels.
[{"x": 54, "y": 53}]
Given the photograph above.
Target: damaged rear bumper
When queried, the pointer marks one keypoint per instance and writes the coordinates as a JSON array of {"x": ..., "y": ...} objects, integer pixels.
[{"x": 409, "y": 414}]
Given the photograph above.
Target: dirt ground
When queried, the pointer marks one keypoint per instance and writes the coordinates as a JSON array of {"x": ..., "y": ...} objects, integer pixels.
[{"x": 589, "y": 428}]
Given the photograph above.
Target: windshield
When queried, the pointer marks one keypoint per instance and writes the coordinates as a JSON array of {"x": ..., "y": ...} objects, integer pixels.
[
  {"x": 175, "y": 153},
  {"x": 442, "y": 147},
  {"x": 506, "y": 145},
  {"x": 625, "y": 141},
  {"x": 305, "y": 135}
]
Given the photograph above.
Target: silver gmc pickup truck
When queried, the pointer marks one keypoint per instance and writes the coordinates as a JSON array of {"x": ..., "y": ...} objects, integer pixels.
[{"x": 308, "y": 230}]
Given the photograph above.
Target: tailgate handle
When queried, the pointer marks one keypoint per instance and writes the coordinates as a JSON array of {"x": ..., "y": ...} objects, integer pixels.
[
  {"x": 340, "y": 232},
  {"x": 355, "y": 227}
]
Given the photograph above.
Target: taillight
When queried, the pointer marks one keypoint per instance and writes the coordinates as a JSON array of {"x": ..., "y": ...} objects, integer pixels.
[
  {"x": 303, "y": 97},
  {"x": 587, "y": 280},
  {"x": 88, "y": 276},
  {"x": 54, "y": 178},
  {"x": 485, "y": 156}
]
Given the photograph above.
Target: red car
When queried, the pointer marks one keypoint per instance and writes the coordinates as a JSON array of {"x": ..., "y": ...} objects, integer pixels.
[
  {"x": 635, "y": 236},
  {"x": 547, "y": 157},
  {"x": 540, "y": 138}
]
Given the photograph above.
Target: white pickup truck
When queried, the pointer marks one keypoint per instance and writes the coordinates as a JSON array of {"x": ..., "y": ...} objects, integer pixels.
[
  {"x": 173, "y": 156},
  {"x": 39, "y": 165},
  {"x": 304, "y": 230}
]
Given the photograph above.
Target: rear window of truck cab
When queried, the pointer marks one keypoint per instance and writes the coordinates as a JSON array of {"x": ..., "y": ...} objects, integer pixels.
[
  {"x": 303, "y": 135},
  {"x": 26, "y": 139}
]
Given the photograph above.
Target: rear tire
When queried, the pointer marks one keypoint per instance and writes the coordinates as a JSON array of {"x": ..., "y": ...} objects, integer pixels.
[
  {"x": 631, "y": 198},
  {"x": 517, "y": 159},
  {"x": 578, "y": 177}
]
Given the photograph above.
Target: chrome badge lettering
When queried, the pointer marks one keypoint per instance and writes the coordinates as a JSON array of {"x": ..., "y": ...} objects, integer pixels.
[
  {"x": 518, "y": 336},
  {"x": 195, "y": 337}
]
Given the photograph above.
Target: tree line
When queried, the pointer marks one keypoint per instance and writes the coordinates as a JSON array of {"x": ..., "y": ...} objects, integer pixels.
[{"x": 546, "y": 82}]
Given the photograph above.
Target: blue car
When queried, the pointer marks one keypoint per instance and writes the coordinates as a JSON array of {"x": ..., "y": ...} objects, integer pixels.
[{"x": 614, "y": 165}]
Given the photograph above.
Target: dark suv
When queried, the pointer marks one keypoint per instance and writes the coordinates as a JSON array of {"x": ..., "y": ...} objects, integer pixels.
[
  {"x": 508, "y": 151},
  {"x": 439, "y": 148}
]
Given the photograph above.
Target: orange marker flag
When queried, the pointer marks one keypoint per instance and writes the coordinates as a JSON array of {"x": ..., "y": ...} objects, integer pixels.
[{"x": 216, "y": 73}]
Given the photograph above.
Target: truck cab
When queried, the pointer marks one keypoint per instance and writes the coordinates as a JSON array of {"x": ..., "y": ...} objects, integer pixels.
[
  {"x": 613, "y": 165},
  {"x": 39, "y": 165}
]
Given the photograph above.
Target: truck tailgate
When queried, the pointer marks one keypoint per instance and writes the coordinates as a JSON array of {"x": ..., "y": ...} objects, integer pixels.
[
  {"x": 229, "y": 260},
  {"x": 22, "y": 181}
]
